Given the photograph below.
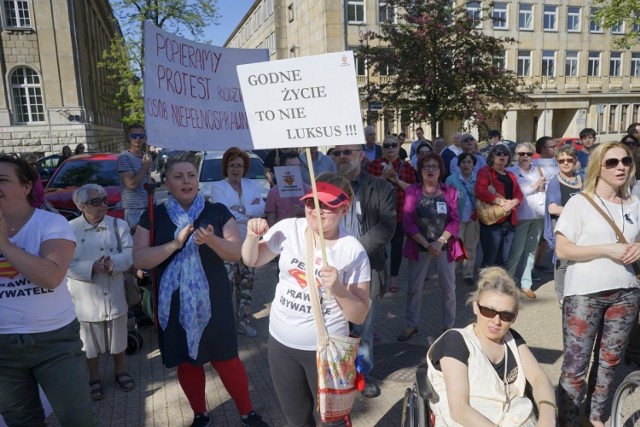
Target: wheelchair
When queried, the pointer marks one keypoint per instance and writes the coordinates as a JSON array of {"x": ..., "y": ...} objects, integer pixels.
[{"x": 415, "y": 406}]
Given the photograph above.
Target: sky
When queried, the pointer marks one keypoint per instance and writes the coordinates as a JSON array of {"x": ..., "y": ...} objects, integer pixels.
[{"x": 231, "y": 12}]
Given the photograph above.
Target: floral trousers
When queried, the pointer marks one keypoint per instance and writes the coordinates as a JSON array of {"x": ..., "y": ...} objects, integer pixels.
[
  {"x": 241, "y": 277},
  {"x": 603, "y": 322}
]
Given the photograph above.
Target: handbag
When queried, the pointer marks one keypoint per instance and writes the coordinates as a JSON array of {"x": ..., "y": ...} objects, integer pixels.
[
  {"x": 132, "y": 292},
  {"x": 335, "y": 356},
  {"x": 619, "y": 235},
  {"x": 456, "y": 250},
  {"x": 488, "y": 213}
]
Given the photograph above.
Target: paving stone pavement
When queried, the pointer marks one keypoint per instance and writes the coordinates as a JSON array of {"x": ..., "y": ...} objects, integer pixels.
[{"x": 158, "y": 400}]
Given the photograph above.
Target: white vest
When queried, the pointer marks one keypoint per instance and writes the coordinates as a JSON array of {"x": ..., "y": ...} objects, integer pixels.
[{"x": 487, "y": 392}]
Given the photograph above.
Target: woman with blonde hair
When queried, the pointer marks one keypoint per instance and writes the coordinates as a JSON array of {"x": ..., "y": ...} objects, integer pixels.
[
  {"x": 601, "y": 292},
  {"x": 480, "y": 372}
]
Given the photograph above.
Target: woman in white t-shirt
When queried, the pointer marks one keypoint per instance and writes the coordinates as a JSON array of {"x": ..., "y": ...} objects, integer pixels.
[
  {"x": 601, "y": 291},
  {"x": 292, "y": 344},
  {"x": 39, "y": 334}
]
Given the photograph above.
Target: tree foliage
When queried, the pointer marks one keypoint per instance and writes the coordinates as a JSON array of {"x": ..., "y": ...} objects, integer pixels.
[
  {"x": 123, "y": 60},
  {"x": 615, "y": 12},
  {"x": 444, "y": 68}
]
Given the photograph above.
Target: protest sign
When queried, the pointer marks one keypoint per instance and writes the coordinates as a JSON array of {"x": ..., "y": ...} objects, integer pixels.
[
  {"x": 192, "y": 97},
  {"x": 301, "y": 102},
  {"x": 289, "y": 179}
]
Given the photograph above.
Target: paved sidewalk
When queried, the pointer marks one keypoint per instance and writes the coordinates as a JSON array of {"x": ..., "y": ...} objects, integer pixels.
[{"x": 159, "y": 401}]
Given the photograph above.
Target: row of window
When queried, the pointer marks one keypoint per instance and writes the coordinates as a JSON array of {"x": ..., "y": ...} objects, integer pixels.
[
  {"x": 572, "y": 62},
  {"x": 269, "y": 43},
  {"x": 264, "y": 10},
  {"x": 618, "y": 117},
  {"x": 550, "y": 17}
]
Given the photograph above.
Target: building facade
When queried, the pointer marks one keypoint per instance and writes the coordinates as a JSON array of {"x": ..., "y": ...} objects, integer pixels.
[
  {"x": 53, "y": 93},
  {"x": 580, "y": 78}
]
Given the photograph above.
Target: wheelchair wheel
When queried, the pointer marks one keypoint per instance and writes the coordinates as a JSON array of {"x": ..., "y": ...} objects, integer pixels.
[
  {"x": 625, "y": 410},
  {"x": 413, "y": 409}
]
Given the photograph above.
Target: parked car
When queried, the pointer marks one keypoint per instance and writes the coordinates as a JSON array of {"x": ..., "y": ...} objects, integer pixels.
[
  {"x": 101, "y": 168},
  {"x": 575, "y": 141},
  {"x": 210, "y": 171},
  {"x": 48, "y": 165}
]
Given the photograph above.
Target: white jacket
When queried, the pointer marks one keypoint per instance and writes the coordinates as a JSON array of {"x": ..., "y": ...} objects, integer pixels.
[{"x": 222, "y": 192}]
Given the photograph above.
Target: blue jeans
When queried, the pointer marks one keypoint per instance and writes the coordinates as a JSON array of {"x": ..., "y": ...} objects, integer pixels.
[
  {"x": 496, "y": 241},
  {"x": 365, "y": 332},
  {"x": 523, "y": 250}
]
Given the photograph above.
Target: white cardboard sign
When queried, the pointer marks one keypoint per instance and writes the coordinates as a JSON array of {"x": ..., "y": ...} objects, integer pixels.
[
  {"x": 289, "y": 180},
  {"x": 192, "y": 97},
  {"x": 303, "y": 102}
]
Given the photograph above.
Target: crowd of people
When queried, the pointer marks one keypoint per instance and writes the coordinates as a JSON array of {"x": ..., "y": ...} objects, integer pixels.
[{"x": 377, "y": 206}]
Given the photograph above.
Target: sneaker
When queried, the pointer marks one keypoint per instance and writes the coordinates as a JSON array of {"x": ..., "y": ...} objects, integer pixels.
[
  {"x": 253, "y": 420},
  {"x": 371, "y": 389},
  {"x": 243, "y": 328},
  {"x": 201, "y": 420}
]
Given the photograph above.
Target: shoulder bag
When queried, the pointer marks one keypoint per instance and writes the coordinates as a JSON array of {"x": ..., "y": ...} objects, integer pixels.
[
  {"x": 488, "y": 213},
  {"x": 132, "y": 291},
  {"x": 335, "y": 356}
]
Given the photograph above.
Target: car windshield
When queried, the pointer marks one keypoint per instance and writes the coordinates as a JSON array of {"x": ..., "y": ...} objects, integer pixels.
[
  {"x": 79, "y": 172},
  {"x": 212, "y": 170}
]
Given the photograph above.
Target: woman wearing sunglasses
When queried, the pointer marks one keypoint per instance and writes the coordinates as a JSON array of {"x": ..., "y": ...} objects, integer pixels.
[
  {"x": 560, "y": 189},
  {"x": 292, "y": 341},
  {"x": 532, "y": 181},
  {"x": 601, "y": 293},
  {"x": 496, "y": 185},
  {"x": 96, "y": 284},
  {"x": 480, "y": 372}
]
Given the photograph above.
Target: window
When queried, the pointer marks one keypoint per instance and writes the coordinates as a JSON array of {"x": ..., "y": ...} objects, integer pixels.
[
  {"x": 623, "y": 118},
  {"x": 595, "y": 26},
  {"x": 26, "y": 93},
  {"x": 573, "y": 19},
  {"x": 612, "y": 118},
  {"x": 387, "y": 70},
  {"x": 549, "y": 63},
  {"x": 361, "y": 66},
  {"x": 635, "y": 64},
  {"x": 500, "y": 61},
  {"x": 571, "y": 64},
  {"x": 270, "y": 43},
  {"x": 617, "y": 28},
  {"x": 525, "y": 17},
  {"x": 500, "y": 16},
  {"x": 355, "y": 11},
  {"x": 386, "y": 12},
  {"x": 593, "y": 68},
  {"x": 615, "y": 64},
  {"x": 475, "y": 12},
  {"x": 16, "y": 13},
  {"x": 524, "y": 63},
  {"x": 550, "y": 18},
  {"x": 268, "y": 10}
]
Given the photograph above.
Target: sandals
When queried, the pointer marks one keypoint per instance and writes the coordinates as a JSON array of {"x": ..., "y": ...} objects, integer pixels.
[
  {"x": 97, "y": 390},
  {"x": 125, "y": 381}
]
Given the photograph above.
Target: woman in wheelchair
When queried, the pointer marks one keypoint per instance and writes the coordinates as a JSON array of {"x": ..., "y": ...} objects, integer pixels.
[{"x": 480, "y": 372}]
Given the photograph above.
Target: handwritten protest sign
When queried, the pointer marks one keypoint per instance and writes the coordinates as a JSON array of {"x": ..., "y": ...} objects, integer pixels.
[
  {"x": 191, "y": 93},
  {"x": 301, "y": 102},
  {"x": 289, "y": 180}
]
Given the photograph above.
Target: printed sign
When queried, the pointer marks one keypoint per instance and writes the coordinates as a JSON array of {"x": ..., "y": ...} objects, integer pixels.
[
  {"x": 192, "y": 98},
  {"x": 303, "y": 102},
  {"x": 289, "y": 179}
]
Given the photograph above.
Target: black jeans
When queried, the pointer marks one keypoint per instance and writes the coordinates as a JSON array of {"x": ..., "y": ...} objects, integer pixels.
[{"x": 396, "y": 249}]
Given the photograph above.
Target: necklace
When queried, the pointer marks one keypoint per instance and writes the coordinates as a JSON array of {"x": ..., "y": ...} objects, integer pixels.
[
  {"x": 621, "y": 213},
  {"x": 429, "y": 194},
  {"x": 569, "y": 182}
]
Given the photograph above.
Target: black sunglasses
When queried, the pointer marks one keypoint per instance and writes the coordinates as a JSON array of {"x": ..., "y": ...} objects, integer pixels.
[
  {"x": 500, "y": 153},
  {"x": 346, "y": 152},
  {"x": 390, "y": 145},
  {"x": 97, "y": 201},
  {"x": 524, "y": 153},
  {"x": 490, "y": 313},
  {"x": 612, "y": 163},
  {"x": 137, "y": 136}
]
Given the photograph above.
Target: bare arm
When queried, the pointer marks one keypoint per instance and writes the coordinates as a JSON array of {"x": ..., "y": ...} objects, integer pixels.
[
  {"x": 227, "y": 247},
  {"x": 456, "y": 381},
  {"x": 541, "y": 386},
  {"x": 353, "y": 299},
  {"x": 146, "y": 256},
  {"x": 567, "y": 250},
  {"x": 47, "y": 269},
  {"x": 555, "y": 209},
  {"x": 133, "y": 181}
]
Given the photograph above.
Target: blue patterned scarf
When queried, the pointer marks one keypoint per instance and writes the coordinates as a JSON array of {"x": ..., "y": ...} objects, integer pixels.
[{"x": 185, "y": 272}]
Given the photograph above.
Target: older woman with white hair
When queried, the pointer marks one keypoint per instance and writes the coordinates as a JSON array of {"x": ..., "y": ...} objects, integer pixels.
[
  {"x": 96, "y": 284},
  {"x": 532, "y": 181}
]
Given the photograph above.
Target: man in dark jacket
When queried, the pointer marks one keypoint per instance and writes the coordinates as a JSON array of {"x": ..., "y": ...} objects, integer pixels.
[{"x": 372, "y": 219}]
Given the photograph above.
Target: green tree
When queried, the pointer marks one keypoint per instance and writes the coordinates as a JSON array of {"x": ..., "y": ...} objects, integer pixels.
[
  {"x": 615, "y": 12},
  {"x": 443, "y": 67},
  {"x": 123, "y": 61}
]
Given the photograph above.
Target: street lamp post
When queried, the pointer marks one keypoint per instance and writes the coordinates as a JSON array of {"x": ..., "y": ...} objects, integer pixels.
[
  {"x": 547, "y": 79},
  {"x": 364, "y": 42}
]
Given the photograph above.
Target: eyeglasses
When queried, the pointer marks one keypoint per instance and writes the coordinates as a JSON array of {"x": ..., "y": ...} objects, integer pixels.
[
  {"x": 98, "y": 201},
  {"x": 430, "y": 167},
  {"x": 569, "y": 160},
  {"x": 490, "y": 313},
  {"x": 346, "y": 152},
  {"x": 525, "y": 153},
  {"x": 501, "y": 153},
  {"x": 390, "y": 145},
  {"x": 324, "y": 208},
  {"x": 612, "y": 163},
  {"x": 137, "y": 136}
]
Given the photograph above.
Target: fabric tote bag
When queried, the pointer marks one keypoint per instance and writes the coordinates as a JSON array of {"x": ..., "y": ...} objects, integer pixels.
[{"x": 335, "y": 356}]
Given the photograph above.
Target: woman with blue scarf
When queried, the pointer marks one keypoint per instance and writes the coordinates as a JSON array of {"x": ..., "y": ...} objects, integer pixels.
[{"x": 193, "y": 239}]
